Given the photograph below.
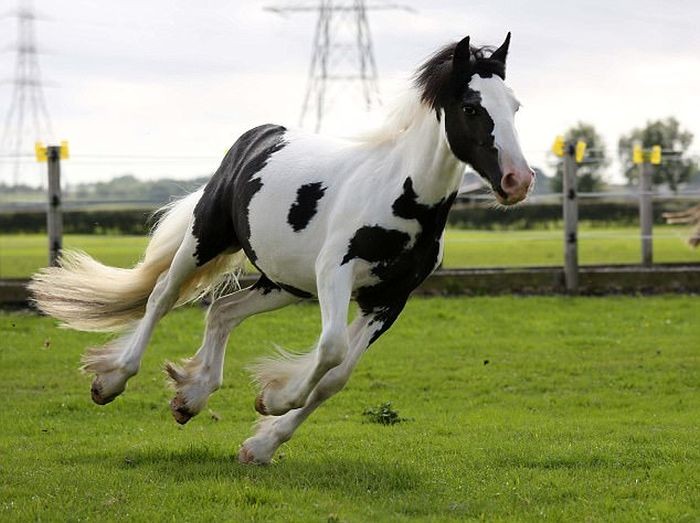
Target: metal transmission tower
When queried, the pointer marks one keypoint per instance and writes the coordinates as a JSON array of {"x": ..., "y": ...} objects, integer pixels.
[
  {"x": 27, "y": 114},
  {"x": 342, "y": 53}
]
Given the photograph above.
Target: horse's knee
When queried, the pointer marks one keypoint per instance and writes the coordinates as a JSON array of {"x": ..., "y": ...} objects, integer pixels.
[{"x": 332, "y": 346}]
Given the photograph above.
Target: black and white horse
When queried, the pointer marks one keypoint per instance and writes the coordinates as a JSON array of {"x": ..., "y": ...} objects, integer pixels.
[{"x": 318, "y": 217}]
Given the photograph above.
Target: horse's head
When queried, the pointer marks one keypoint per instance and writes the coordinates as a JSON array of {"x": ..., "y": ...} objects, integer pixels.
[{"x": 467, "y": 90}]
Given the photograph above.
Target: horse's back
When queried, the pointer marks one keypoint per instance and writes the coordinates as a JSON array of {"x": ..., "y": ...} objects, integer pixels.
[{"x": 291, "y": 216}]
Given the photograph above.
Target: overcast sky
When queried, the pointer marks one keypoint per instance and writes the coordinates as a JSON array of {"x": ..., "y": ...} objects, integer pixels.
[{"x": 184, "y": 79}]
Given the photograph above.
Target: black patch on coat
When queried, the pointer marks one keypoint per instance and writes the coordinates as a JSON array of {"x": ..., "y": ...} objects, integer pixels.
[
  {"x": 266, "y": 285},
  {"x": 386, "y": 315},
  {"x": 376, "y": 244},
  {"x": 400, "y": 268},
  {"x": 221, "y": 220},
  {"x": 471, "y": 137},
  {"x": 305, "y": 206},
  {"x": 295, "y": 292}
]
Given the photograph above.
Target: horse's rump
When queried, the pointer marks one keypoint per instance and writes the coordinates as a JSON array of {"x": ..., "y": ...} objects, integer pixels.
[{"x": 88, "y": 295}]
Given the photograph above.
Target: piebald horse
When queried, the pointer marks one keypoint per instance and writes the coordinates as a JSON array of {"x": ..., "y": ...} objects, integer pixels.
[{"x": 318, "y": 217}]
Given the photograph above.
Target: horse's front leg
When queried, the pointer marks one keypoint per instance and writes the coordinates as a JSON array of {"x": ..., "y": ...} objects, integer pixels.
[
  {"x": 272, "y": 431},
  {"x": 290, "y": 384}
]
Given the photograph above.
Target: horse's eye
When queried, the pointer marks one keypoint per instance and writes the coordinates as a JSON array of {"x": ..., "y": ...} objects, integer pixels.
[{"x": 469, "y": 110}]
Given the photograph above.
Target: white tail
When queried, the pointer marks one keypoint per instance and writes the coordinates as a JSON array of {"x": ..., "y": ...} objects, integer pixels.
[{"x": 88, "y": 295}]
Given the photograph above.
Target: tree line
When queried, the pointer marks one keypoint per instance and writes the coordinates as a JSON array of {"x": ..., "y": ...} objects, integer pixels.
[
  {"x": 125, "y": 187},
  {"x": 667, "y": 133}
]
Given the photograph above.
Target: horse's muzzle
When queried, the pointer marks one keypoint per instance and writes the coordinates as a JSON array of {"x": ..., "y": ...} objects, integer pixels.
[{"x": 515, "y": 186}]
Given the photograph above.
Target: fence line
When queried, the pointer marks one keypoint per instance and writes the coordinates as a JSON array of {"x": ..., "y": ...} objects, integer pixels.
[
  {"x": 124, "y": 156},
  {"x": 592, "y": 195},
  {"x": 569, "y": 198},
  {"x": 462, "y": 198},
  {"x": 584, "y": 236}
]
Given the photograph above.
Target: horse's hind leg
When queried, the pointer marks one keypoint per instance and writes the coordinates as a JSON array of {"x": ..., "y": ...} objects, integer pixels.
[
  {"x": 202, "y": 374},
  {"x": 120, "y": 359}
]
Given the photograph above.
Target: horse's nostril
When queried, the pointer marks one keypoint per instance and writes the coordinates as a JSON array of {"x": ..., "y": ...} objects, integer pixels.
[{"x": 509, "y": 182}]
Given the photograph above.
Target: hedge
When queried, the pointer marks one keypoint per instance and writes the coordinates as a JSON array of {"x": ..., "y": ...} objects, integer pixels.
[
  {"x": 131, "y": 221},
  {"x": 463, "y": 215},
  {"x": 548, "y": 215}
]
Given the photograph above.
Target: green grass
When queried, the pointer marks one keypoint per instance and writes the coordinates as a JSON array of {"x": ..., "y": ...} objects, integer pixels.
[
  {"x": 517, "y": 409},
  {"x": 22, "y": 254},
  {"x": 616, "y": 245}
]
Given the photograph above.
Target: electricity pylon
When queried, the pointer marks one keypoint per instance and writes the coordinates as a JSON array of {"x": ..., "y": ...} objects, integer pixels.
[
  {"x": 27, "y": 114},
  {"x": 342, "y": 53}
]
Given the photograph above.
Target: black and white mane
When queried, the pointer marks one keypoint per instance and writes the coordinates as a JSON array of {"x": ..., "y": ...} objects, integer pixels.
[{"x": 435, "y": 78}]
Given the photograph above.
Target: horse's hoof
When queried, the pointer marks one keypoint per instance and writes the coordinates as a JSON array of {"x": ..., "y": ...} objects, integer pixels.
[
  {"x": 260, "y": 405},
  {"x": 246, "y": 457},
  {"x": 181, "y": 412},
  {"x": 97, "y": 395}
]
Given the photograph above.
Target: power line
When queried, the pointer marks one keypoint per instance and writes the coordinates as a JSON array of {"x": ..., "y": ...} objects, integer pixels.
[
  {"x": 27, "y": 106},
  {"x": 342, "y": 52}
]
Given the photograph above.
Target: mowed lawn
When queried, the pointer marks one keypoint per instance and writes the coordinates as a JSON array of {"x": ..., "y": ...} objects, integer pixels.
[
  {"x": 517, "y": 409},
  {"x": 22, "y": 254}
]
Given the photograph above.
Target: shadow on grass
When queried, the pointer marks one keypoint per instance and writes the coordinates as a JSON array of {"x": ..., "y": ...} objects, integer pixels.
[{"x": 349, "y": 476}]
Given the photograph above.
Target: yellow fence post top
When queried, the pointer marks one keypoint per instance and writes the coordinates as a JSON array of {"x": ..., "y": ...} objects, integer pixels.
[
  {"x": 637, "y": 154},
  {"x": 655, "y": 156},
  {"x": 65, "y": 152},
  {"x": 580, "y": 151},
  {"x": 40, "y": 152},
  {"x": 558, "y": 146}
]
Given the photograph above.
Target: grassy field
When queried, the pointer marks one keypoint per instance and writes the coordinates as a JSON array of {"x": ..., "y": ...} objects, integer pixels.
[
  {"x": 20, "y": 255},
  {"x": 518, "y": 409}
]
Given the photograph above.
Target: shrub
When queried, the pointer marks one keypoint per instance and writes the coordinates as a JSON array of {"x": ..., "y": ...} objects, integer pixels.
[{"x": 384, "y": 414}]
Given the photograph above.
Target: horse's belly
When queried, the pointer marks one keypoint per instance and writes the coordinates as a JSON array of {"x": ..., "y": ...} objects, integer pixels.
[
  {"x": 290, "y": 257},
  {"x": 285, "y": 259},
  {"x": 286, "y": 236}
]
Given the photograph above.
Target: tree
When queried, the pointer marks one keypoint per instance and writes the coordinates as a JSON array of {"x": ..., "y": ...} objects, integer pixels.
[
  {"x": 588, "y": 175},
  {"x": 669, "y": 135}
]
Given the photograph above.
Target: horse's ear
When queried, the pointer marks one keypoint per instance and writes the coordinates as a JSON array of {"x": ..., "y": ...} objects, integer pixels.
[
  {"x": 461, "y": 57},
  {"x": 501, "y": 53}
]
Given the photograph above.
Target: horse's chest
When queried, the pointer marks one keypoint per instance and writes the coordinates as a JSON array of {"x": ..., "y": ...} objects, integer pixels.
[
  {"x": 394, "y": 255},
  {"x": 400, "y": 261}
]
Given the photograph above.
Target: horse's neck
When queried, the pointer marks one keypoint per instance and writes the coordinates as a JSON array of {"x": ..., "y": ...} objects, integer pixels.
[{"x": 421, "y": 152}]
